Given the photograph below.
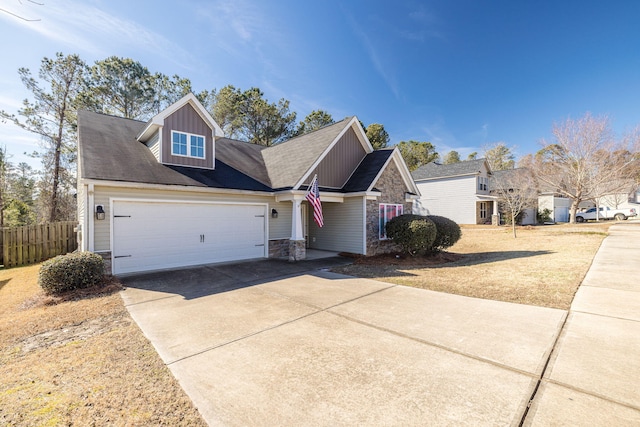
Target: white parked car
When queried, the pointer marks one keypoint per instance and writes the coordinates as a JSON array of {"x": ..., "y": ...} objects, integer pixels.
[{"x": 606, "y": 213}]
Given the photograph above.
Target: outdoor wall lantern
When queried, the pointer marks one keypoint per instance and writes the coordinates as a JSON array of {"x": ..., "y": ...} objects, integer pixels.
[
  {"x": 100, "y": 214},
  {"x": 274, "y": 213}
]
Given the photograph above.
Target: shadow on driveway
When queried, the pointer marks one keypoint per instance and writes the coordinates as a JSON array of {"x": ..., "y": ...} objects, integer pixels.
[{"x": 200, "y": 281}]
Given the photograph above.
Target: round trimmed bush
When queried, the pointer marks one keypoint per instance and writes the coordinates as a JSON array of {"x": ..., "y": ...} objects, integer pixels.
[
  {"x": 71, "y": 271},
  {"x": 447, "y": 233},
  {"x": 414, "y": 233}
]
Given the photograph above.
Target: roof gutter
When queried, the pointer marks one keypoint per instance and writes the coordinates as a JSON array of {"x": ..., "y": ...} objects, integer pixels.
[{"x": 171, "y": 187}]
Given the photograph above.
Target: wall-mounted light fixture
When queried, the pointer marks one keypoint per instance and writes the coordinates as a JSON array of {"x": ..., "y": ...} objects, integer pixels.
[
  {"x": 100, "y": 214},
  {"x": 274, "y": 213}
]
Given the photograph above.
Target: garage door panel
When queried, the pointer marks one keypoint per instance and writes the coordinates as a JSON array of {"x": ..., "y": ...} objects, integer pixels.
[{"x": 157, "y": 235}]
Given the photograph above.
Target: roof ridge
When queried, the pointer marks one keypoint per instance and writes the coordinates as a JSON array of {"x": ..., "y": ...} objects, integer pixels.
[{"x": 111, "y": 115}]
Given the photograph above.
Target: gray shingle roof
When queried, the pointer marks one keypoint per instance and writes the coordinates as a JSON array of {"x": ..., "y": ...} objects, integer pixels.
[
  {"x": 108, "y": 150},
  {"x": 367, "y": 171},
  {"x": 243, "y": 156},
  {"x": 288, "y": 161},
  {"x": 437, "y": 170}
]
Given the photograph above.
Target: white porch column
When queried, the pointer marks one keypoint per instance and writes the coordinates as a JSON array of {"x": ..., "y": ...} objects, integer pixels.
[{"x": 297, "y": 244}]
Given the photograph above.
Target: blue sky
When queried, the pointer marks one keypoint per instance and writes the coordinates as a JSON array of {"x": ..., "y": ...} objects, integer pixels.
[{"x": 460, "y": 74}]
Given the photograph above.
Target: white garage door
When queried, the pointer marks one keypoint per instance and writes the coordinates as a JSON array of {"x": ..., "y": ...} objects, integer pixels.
[{"x": 156, "y": 235}]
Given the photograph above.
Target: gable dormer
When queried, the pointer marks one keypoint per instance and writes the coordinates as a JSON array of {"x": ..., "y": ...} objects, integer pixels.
[{"x": 183, "y": 134}]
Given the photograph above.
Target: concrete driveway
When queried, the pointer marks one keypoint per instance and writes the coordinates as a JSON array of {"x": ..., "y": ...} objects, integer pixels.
[{"x": 274, "y": 343}]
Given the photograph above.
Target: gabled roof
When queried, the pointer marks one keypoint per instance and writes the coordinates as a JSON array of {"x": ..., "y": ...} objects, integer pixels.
[
  {"x": 158, "y": 120},
  {"x": 108, "y": 150},
  {"x": 368, "y": 170},
  {"x": 291, "y": 161},
  {"x": 436, "y": 170}
]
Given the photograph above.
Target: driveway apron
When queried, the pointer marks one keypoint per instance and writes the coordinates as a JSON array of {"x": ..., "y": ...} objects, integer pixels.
[{"x": 273, "y": 343}]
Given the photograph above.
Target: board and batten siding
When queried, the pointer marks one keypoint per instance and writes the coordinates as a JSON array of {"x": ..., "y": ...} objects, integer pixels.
[
  {"x": 453, "y": 198},
  {"x": 343, "y": 229},
  {"x": 340, "y": 162},
  {"x": 186, "y": 119},
  {"x": 103, "y": 195}
]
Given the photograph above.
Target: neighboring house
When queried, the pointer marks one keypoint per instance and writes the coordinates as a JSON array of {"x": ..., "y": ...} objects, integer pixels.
[
  {"x": 458, "y": 191},
  {"x": 175, "y": 192}
]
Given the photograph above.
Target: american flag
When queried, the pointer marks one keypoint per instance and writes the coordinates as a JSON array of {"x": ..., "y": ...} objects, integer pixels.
[{"x": 313, "y": 196}]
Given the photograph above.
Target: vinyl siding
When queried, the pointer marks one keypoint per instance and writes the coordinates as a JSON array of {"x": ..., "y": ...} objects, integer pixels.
[
  {"x": 280, "y": 228},
  {"x": 154, "y": 145},
  {"x": 103, "y": 195},
  {"x": 340, "y": 162},
  {"x": 343, "y": 229},
  {"x": 453, "y": 198},
  {"x": 186, "y": 119}
]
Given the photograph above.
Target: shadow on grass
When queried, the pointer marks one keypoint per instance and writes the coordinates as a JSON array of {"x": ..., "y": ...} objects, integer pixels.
[
  {"x": 489, "y": 257},
  {"x": 4, "y": 282},
  {"x": 467, "y": 260}
]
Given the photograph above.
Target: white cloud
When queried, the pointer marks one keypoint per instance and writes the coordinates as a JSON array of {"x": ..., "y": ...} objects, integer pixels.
[
  {"x": 88, "y": 28},
  {"x": 374, "y": 57}
]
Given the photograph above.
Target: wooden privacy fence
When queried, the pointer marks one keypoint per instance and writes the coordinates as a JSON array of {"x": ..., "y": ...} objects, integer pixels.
[{"x": 34, "y": 243}]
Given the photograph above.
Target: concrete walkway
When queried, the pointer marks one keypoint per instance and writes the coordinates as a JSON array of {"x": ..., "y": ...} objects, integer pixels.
[
  {"x": 273, "y": 343},
  {"x": 593, "y": 376}
]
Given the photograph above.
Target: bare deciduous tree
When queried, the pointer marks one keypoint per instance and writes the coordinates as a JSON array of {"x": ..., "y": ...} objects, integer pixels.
[
  {"x": 516, "y": 191},
  {"x": 586, "y": 162}
]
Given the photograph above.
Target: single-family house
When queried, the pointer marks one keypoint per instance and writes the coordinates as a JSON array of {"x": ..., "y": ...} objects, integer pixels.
[
  {"x": 174, "y": 192},
  {"x": 458, "y": 191}
]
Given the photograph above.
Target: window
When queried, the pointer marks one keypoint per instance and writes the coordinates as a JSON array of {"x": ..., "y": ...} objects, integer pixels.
[
  {"x": 483, "y": 183},
  {"x": 186, "y": 144},
  {"x": 483, "y": 210},
  {"x": 387, "y": 212}
]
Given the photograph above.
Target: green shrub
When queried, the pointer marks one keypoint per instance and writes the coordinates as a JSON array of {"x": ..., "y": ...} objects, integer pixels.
[
  {"x": 447, "y": 233},
  {"x": 414, "y": 233},
  {"x": 544, "y": 216},
  {"x": 71, "y": 271}
]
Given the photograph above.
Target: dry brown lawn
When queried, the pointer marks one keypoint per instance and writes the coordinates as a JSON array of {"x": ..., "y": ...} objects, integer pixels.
[
  {"x": 543, "y": 266},
  {"x": 81, "y": 362}
]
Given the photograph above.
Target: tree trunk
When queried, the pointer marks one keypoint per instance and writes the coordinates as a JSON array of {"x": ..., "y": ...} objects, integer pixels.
[
  {"x": 573, "y": 210},
  {"x": 513, "y": 224}
]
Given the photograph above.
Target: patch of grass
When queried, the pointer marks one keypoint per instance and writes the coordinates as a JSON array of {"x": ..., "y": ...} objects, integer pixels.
[
  {"x": 79, "y": 359},
  {"x": 543, "y": 266}
]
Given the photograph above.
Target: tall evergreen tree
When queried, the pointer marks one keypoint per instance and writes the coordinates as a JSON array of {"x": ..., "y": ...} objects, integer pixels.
[
  {"x": 52, "y": 115},
  {"x": 416, "y": 154},
  {"x": 314, "y": 121},
  {"x": 378, "y": 136},
  {"x": 121, "y": 87},
  {"x": 499, "y": 157},
  {"x": 451, "y": 157}
]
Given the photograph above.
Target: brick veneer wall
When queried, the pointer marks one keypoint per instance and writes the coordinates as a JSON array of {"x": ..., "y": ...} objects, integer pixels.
[{"x": 393, "y": 190}]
